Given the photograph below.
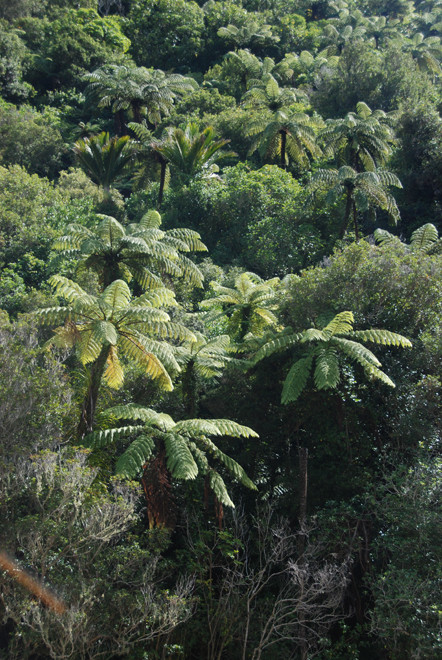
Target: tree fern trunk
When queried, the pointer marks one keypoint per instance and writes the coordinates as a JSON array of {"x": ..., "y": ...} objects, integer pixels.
[
  {"x": 283, "y": 148},
  {"x": 90, "y": 400},
  {"x": 355, "y": 221},
  {"x": 158, "y": 491},
  {"x": 136, "y": 110},
  {"x": 189, "y": 391},
  {"x": 162, "y": 182},
  {"x": 119, "y": 122},
  {"x": 348, "y": 206}
]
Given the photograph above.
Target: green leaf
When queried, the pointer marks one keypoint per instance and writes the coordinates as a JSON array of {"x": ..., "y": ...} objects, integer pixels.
[
  {"x": 296, "y": 379},
  {"x": 99, "y": 439},
  {"x": 131, "y": 462},
  {"x": 219, "y": 488},
  {"x": 179, "y": 458}
]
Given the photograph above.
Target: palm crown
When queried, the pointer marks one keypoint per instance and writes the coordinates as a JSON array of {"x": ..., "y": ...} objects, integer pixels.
[{"x": 104, "y": 159}]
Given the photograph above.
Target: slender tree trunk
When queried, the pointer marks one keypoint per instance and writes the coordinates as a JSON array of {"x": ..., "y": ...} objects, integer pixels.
[
  {"x": 303, "y": 488},
  {"x": 283, "y": 148},
  {"x": 90, "y": 400},
  {"x": 136, "y": 109},
  {"x": 348, "y": 206},
  {"x": 162, "y": 181},
  {"x": 355, "y": 221},
  {"x": 119, "y": 122},
  {"x": 189, "y": 391}
]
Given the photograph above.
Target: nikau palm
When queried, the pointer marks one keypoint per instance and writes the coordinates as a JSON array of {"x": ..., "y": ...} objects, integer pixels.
[
  {"x": 325, "y": 348},
  {"x": 105, "y": 326},
  {"x": 141, "y": 251},
  {"x": 104, "y": 159}
]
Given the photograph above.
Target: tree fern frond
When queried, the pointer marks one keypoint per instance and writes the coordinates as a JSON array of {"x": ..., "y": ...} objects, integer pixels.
[
  {"x": 219, "y": 488},
  {"x": 147, "y": 360},
  {"x": 179, "y": 458},
  {"x": 424, "y": 238},
  {"x": 326, "y": 374},
  {"x": 296, "y": 379},
  {"x": 375, "y": 373},
  {"x": 117, "y": 295},
  {"x": 340, "y": 324},
  {"x": 136, "y": 455},
  {"x": 99, "y": 439},
  {"x": 355, "y": 351},
  {"x": 235, "y": 469},
  {"x": 51, "y": 315},
  {"x": 70, "y": 290},
  {"x": 281, "y": 342},
  {"x": 133, "y": 411},
  {"x": 384, "y": 337},
  {"x": 104, "y": 332},
  {"x": 151, "y": 219},
  {"x": 113, "y": 374}
]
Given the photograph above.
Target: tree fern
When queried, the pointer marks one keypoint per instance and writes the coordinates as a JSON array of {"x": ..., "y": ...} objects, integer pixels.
[
  {"x": 187, "y": 443},
  {"x": 326, "y": 347}
]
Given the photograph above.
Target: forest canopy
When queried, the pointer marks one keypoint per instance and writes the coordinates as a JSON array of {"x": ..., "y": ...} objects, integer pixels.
[{"x": 220, "y": 329}]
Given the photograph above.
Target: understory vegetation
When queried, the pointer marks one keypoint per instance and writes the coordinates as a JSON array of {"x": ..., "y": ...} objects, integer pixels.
[{"x": 220, "y": 329}]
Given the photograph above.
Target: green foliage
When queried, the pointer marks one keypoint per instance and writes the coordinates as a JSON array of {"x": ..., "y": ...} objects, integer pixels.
[
  {"x": 13, "y": 54},
  {"x": 104, "y": 159},
  {"x": 73, "y": 42},
  {"x": 337, "y": 337},
  {"x": 406, "y": 611},
  {"x": 165, "y": 33},
  {"x": 31, "y": 139},
  {"x": 183, "y": 441},
  {"x": 142, "y": 251}
]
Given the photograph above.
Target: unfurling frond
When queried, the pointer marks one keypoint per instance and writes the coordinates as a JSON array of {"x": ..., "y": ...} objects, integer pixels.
[
  {"x": 138, "y": 453},
  {"x": 179, "y": 458}
]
